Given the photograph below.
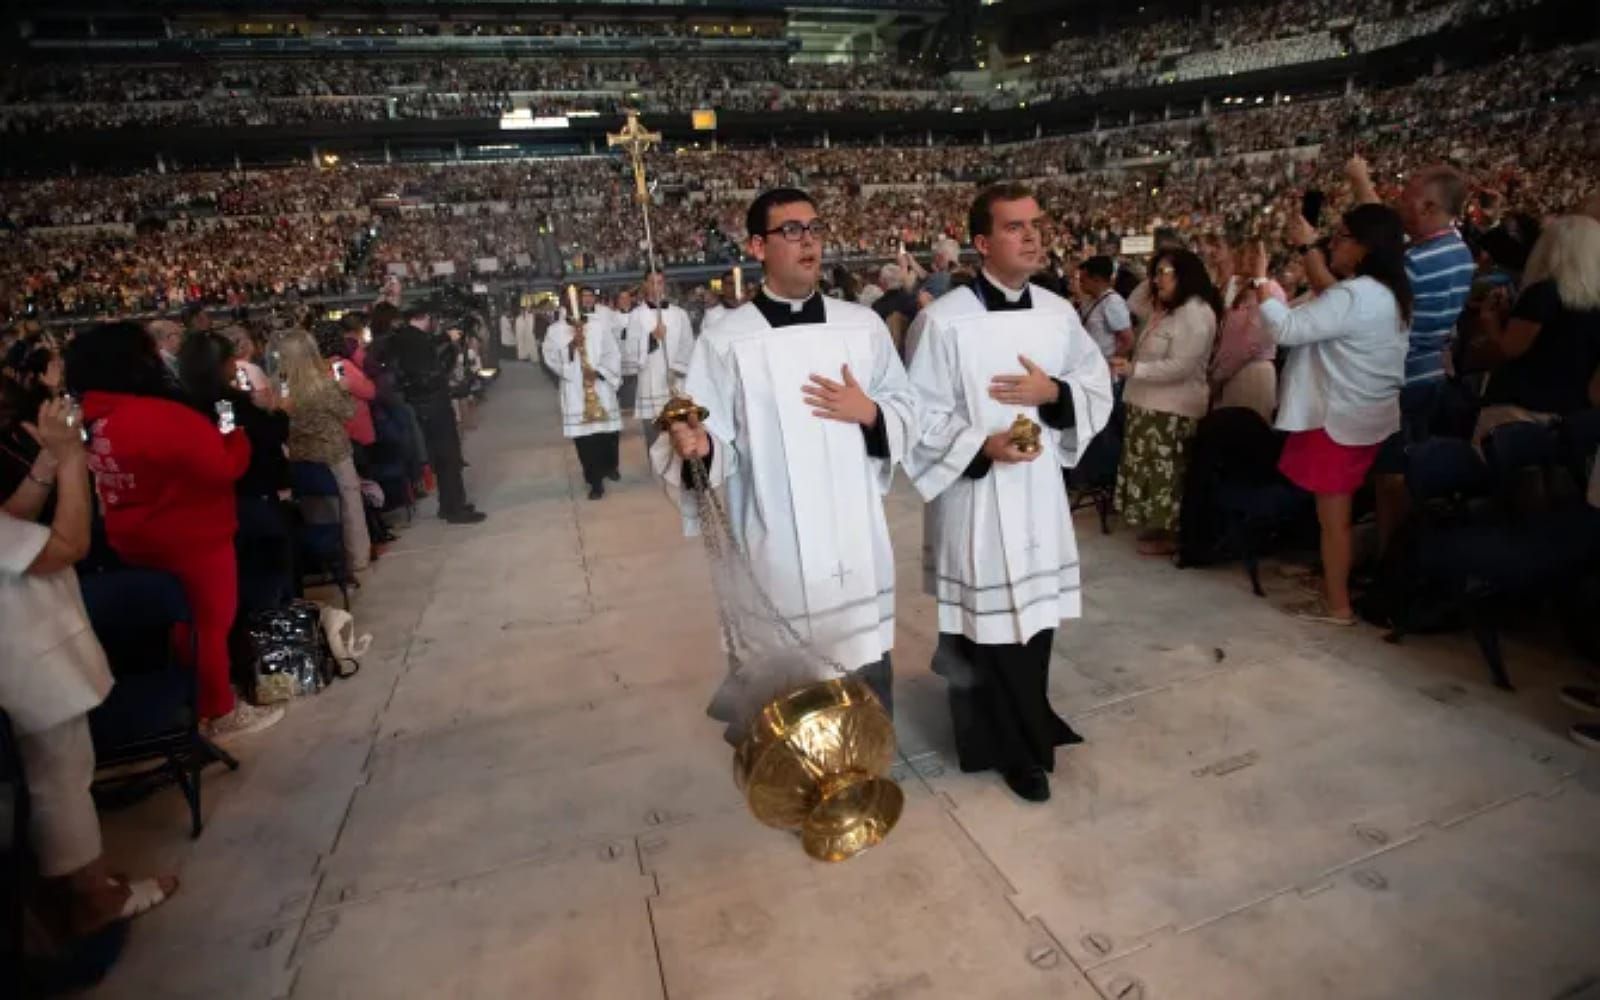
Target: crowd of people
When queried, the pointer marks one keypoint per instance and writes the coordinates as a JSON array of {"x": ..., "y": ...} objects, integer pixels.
[
  {"x": 51, "y": 97},
  {"x": 548, "y": 27},
  {"x": 1513, "y": 128},
  {"x": 199, "y": 442},
  {"x": 1318, "y": 362},
  {"x": 1341, "y": 278},
  {"x": 1238, "y": 39}
]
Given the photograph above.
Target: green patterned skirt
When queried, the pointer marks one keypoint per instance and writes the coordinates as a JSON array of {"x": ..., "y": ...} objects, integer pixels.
[{"x": 1155, "y": 454}]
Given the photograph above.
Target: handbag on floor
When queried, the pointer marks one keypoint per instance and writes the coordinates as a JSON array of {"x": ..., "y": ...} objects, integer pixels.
[{"x": 291, "y": 652}]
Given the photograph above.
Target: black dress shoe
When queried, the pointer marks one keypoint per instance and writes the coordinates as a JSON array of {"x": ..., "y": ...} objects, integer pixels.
[
  {"x": 466, "y": 517},
  {"x": 1030, "y": 783},
  {"x": 597, "y": 491},
  {"x": 614, "y": 475}
]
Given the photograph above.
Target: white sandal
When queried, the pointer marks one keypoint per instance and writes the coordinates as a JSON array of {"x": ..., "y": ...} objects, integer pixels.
[
  {"x": 1317, "y": 613},
  {"x": 143, "y": 896}
]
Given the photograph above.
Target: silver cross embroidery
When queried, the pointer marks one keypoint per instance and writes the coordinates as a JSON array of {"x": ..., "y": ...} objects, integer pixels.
[{"x": 840, "y": 573}]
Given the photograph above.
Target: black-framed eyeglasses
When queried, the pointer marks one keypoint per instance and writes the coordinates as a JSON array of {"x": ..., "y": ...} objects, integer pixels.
[{"x": 794, "y": 232}]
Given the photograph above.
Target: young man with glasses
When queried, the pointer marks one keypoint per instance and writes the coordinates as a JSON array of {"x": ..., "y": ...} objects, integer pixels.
[
  {"x": 809, "y": 412},
  {"x": 1004, "y": 561}
]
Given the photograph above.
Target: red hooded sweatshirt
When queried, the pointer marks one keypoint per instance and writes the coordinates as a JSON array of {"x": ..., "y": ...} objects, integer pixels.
[{"x": 164, "y": 474}]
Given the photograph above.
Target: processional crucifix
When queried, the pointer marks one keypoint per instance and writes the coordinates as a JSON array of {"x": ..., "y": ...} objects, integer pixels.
[{"x": 636, "y": 140}]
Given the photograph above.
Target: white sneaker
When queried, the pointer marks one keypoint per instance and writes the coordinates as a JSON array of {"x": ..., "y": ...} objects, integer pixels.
[{"x": 244, "y": 720}]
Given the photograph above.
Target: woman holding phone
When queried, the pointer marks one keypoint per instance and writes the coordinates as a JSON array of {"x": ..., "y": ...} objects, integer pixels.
[
  {"x": 319, "y": 407},
  {"x": 165, "y": 475},
  {"x": 1341, "y": 385},
  {"x": 210, "y": 375}
]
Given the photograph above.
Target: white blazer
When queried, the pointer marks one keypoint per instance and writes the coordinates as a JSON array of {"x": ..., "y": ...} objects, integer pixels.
[{"x": 51, "y": 665}]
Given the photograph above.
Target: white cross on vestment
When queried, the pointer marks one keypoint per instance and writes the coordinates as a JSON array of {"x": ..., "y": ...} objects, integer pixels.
[{"x": 840, "y": 573}]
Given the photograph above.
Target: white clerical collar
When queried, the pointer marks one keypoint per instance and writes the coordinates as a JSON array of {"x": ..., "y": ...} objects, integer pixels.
[
  {"x": 795, "y": 305},
  {"x": 1012, "y": 295}
]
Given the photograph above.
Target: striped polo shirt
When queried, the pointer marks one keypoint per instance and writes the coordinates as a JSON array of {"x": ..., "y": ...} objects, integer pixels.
[{"x": 1440, "y": 268}]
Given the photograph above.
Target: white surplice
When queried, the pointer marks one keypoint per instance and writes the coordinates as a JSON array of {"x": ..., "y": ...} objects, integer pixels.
[
  {"x": 605, "y": 357},
  {"x": 714, "y": 315},
  {"x": 663, "y": 368},
  {"x": 508, "y": 335},
  {"x": 1000, "y": 555},
  {"x": 527, "y": 343},
  {"x": 620, "y": 324},
  {"x": 804, "y": 498}
]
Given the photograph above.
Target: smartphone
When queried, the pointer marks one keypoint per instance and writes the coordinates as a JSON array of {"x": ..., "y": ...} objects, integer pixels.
[
  {"x": 241, "y": 380},
  {"x": 74, "y": 418},
  {"x": 283, "y": 388},
  {"x": 1311, "y": 206},
  {"x": 338, "y": 370},
  {"x": 224, "y": 416}
]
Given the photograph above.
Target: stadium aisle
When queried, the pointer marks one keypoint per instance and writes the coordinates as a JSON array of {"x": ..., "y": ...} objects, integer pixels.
[{"x": 519, "y": 796}]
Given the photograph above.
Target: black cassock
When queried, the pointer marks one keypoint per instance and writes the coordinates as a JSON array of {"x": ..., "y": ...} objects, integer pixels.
[
  {"x": 598, "y": 455},
  {"x": 998, "y": 703}
]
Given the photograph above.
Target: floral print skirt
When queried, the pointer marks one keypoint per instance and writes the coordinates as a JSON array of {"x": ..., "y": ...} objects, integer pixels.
[{"x": 1155, "y": 455}]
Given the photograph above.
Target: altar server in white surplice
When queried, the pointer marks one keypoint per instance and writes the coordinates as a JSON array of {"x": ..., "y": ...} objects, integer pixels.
[
  {"x": 1001, "y": 557},
  {"x": 810, "y": 412},
  {"x": 508, "y": 335},
  {"x": 661, "y": 337},
  {"x": 567, "y": 348},
  {"x": 619, "y": 317},
  {"x": 523, "y": 330},
  {"x": 725, "y": 303}
]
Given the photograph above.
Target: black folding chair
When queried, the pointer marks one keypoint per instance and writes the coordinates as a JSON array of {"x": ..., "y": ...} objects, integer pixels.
[{"x": 152, "y": 714}]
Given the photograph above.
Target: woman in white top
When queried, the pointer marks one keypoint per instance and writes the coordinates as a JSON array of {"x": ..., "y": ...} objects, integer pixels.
[
  {"x": 1166, "y": 394},
  {"x": 52, "y": 672},
  {"x": 1340, "y": 396}
]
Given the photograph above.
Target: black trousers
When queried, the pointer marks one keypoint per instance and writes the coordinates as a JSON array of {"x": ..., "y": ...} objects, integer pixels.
[
  {"x": 597, "y": 453},
  {"x": 443, "y": 440},
  {"x": 879, "y": 677},
  {"x": 628, "y": 391},
  {"x": 998, "y": 703}
]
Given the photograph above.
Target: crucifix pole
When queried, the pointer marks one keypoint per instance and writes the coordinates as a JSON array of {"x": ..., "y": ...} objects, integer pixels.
[{"x": 635, "y": 139}]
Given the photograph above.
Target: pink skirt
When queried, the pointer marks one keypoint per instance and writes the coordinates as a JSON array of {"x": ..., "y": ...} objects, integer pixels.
[{"x": 1316, "y": 462}]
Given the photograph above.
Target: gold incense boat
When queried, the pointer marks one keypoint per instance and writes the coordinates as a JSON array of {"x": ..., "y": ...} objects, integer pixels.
[
  {"x": 1025, "y": 435},
  {"x": 816, "y": 761}
]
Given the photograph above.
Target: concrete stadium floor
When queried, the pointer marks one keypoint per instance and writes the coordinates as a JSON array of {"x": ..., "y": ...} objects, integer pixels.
[{"x": 519, "y": 796}]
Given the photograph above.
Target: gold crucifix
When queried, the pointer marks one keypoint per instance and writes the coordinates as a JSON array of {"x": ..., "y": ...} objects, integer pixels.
[{"x": 636, "y": 139}]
